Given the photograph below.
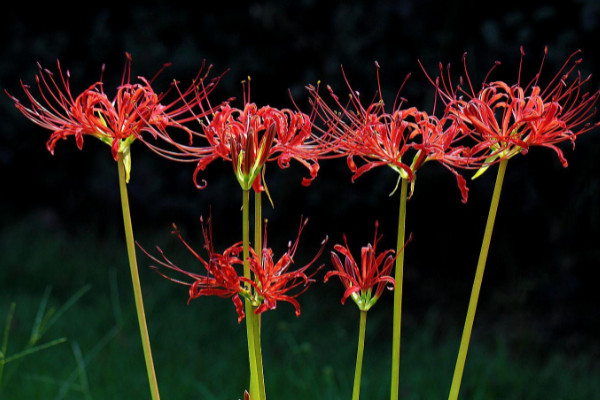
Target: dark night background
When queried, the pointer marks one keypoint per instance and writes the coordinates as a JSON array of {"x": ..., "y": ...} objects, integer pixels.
[{"x": 541, "y": 277}]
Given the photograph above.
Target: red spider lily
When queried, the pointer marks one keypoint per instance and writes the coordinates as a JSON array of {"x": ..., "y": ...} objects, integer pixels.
[
  {"x": 221, "y": 278},
  {"x": 249, "y": 137},
  {"x": 508, "y": 119},
  {"x": 381, "y": 138},
  {"x": 273, "y": 281},
  {"x": 118, "y": 122},
  {"x": 439, "y": 139},
  {"x": 372, "y": 274}
]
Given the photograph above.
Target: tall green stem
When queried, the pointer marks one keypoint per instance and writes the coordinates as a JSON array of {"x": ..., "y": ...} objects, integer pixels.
[
  {"x": 135, "y": 279},
  {"x": 258, "y": 222},
  {"x": 359, "y": 354},
  {"x": 485, "y": 246},
  {"x": 258, "y": 239},
  {"x": 397, "y": 321},
  {"x": 257, "y": 383}
]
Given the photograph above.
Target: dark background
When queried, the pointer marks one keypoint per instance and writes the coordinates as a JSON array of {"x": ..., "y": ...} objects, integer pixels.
[{"x": 541, "y": 275}]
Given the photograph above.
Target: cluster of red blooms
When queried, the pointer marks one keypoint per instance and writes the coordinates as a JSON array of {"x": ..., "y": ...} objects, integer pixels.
[
  {"x": 136, "y": 108},
  {"x": 249, "y": 137},
  {"x": 364, "y": 283},
  {"x": 477, "y": 128},
  {"x": 273, "y": 280},
  {"x": 506, "y": 120}
]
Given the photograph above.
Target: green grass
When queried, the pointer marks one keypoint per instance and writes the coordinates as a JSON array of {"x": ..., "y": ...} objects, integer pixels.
[{"x": 200, "y": 349}]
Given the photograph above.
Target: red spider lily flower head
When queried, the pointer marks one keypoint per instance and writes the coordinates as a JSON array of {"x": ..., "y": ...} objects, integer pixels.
[
  {"x": 246, "y": 137},
  {"x": 249, "y": 137},
  {"x": 275, "y": 280},
  {"x": 369, "y": 133},
  {"x": 509, "y": 119},
  {"x": 403, "y": 138},
  {"x": 135, "y": 108},
  {"x": 221, "y": 277},
  {"x": 439, "y": 139},
  {"x": 364, "y": 283}
]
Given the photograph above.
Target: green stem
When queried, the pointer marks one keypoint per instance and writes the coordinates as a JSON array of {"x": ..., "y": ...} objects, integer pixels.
[
  {"x": 485, "y": 246},
  {"x": 258, "y": 223},
  {"x": 257, "y": 384},
  {"x": 397, "y": 321},
  {"x": 260, "y": 379},
  {"x": 137, "y": 289},
  {"x": 246, "y": 231},
  {"x": 258, "y": 239},
  {"x": 359, "y": 354}
]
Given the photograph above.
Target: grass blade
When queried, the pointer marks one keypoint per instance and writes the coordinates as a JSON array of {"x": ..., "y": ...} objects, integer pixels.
[{"x": 34, "y": 349}]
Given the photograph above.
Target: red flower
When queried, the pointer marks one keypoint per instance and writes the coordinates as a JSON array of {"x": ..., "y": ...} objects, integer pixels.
[
  {"x": 441, "y": 139},
  {"x": 275, "y": 281},
  {"x": 221, "y": 277},
  {"x": 249, "y": 137},
  {"x": 372, "y": 134},
  {"x": 364, "y": 283},
  {"x": 403, "y": 139},
  {"x": 509, "y": 119},
  {"x": 118, "y": 122}
]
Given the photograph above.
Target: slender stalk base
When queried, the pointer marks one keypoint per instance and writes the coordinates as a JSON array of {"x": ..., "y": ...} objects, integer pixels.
[
  {"x": 397, "y": 321},
  {"x": 258, "y": 234},
  {"x": 257, "y": 382},
  {"x": 359, "y": 355},
  {"x": 258, "y": 222},
  {"x": 135, "y": 279},
  {"x": 485, "y": 246}
]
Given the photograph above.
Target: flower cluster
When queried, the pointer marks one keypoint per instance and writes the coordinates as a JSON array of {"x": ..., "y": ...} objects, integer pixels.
[
  {"x": 274, "y": 280},
  {"x": 136, "y": 108},
  {"x": 249, "y": 137},
  {"x": 364, "y": 283},
  {"x": 476, "y": 129},
  {"x": 508, "y": 119},
  {"x": 403, "y": 138}
]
